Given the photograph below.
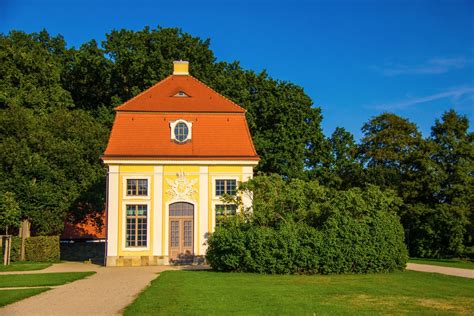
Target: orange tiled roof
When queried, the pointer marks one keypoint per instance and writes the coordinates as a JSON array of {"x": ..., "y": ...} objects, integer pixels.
[
  {"x": 86, "y": 230},
  {"x": 161, "y": 97},
  {"x": 142, "y": 125},
  {"x": 214, "y": 136}
]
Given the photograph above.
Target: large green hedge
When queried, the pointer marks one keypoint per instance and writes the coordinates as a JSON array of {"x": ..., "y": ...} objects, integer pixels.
[
  {"x": 39, "y": 249},
  {"x": 304, "y": 228},
  {"x": 42, "y": 248}
]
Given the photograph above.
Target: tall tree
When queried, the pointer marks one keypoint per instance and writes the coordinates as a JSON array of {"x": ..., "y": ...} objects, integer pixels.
[
  {"x": 142, "y": 58},
  {"x": 454, "y": 154},
  {"x": 345, "y": 169},
  {"x": 49, "y": 160},
  {"x": 86, "y": 75},
  {"x": 389, "y": 148},
  {"x": 30, "y": 71}
]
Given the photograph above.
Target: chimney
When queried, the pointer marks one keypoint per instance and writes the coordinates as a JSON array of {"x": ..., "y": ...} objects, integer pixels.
[{"x": 181, "y": 68}]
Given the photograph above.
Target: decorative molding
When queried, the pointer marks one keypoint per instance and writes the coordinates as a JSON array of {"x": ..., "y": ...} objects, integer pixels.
[
  {"x": 181, "y": 188},
  {"x": 139, "y": 161}
]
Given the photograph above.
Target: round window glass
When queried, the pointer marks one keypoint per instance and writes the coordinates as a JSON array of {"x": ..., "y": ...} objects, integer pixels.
[{"x": 181, "y": 132}]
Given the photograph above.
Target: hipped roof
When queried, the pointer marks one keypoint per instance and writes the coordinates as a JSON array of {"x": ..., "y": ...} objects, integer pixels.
[{"x": 141, "y": 129}]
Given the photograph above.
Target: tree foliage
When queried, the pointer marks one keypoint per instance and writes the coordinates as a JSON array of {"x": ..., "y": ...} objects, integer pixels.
[
  {"x": 433, "y": 176},
  {"x": 49, "y": 160},
  {"x": 30, "y": 71},
  {"x": 9, "y": 211}
]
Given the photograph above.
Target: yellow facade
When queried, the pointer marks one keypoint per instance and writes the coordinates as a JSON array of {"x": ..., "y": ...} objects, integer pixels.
[{"x": 167, "y": 184}]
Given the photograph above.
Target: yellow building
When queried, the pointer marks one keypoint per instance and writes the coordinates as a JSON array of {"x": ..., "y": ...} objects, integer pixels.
[{"x": 174, "y": 150}]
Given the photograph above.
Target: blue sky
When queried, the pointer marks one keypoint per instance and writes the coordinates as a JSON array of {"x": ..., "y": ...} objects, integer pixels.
[{"x": 355, "y": 59}]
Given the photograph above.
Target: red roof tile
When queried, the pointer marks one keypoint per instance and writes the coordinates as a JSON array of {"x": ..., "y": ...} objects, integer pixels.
[
  {"x": 142, "y": 124},
  {"x": 87, "y": 230},
  {"x": 162, "y": 97},
  {"x": 214, "y": 136}
]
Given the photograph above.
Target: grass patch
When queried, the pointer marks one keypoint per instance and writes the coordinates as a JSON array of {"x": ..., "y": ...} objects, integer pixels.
[
  {"x": 452, "y": 263},
  {"x": 41, "y": 279},
  {"x": 25, "y": 266},
  {"x": 212, "y": 293},
  {"x": 12, "y": 296}
]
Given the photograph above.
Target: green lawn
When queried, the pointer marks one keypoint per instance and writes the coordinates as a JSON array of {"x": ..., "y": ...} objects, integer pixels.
[
  {"x": 40, "y": 279},
  {"x": 11, "y": 296},
  {"x": 25, "y": 266},
  {"x": 452, "y": 263},
  {"x": 213, "y": 293}
]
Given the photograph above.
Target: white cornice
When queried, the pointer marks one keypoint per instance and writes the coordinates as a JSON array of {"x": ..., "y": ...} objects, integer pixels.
[{"x": 179, "y": 162}]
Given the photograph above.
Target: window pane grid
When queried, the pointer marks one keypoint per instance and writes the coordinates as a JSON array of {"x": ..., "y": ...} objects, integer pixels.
[
  {"x": 174, "y": 233},
  {"x": 181, "y": 209},
  {"x": 188, "y": 231},
  {"x": 181, "y": 132},
  {"x": 137, "y": 187},
  {"x": 226, "y": 186},
  {"x": 136, "y": 225}
]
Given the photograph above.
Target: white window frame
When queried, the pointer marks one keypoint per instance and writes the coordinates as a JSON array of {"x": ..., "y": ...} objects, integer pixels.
[
  {"x": 190, "y": 130},
  {"x": 124, "y": 225},
  {"x": 236, "y": 178},
  {"x": 136, "y": 197}
]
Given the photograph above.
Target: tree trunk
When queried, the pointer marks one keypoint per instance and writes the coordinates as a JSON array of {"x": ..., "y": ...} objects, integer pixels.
[
  {"x": 24, "y": 233},
  {"x": 6, "y": 243}
]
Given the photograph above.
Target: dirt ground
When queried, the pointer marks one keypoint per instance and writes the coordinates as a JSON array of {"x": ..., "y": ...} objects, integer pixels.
[
  {"x": 107, "y": 292},
  {"x": 465, "y": 273}
]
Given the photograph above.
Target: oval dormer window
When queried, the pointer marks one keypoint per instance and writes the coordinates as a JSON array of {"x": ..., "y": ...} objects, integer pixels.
[{"x": 181, "y": 131}]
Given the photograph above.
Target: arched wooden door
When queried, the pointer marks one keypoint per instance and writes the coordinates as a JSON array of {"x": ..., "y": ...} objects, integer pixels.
[{"x": 181, "y": 238}]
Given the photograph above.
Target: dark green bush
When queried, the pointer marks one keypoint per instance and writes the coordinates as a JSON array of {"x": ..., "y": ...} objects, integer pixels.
[
  {"x": 436, "y": 232},
  {"x": 16, "y": 247},
  {"x": 354, "y": 231},
  {"x": 42, "y": 249}
]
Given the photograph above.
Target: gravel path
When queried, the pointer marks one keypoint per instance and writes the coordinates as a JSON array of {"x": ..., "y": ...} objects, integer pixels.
[
  {"x": 465, "y": 273},
  {"x": 107, "y": 292}
]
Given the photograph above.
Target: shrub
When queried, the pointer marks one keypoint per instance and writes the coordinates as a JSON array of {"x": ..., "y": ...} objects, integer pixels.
[
  {"x": 354, "y": 231},
  {"x": 16, "y": 247},
  {"x": 42, "y": 248}
]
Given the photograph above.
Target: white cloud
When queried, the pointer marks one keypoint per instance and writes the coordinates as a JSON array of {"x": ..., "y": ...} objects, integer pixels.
[
  {"x": 432, "y": 66},
  {"x": 466, "y": 93}
]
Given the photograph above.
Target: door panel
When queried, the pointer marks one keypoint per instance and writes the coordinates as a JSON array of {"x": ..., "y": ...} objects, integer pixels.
[
  {"x": 188, "y": 234},
  {"x": 181, "y": 238}
]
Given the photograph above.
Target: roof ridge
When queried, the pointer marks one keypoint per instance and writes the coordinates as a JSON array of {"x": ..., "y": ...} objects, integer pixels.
[
  {"x": 202, "y": 83},
  {"x": 142, "y": 93}
]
